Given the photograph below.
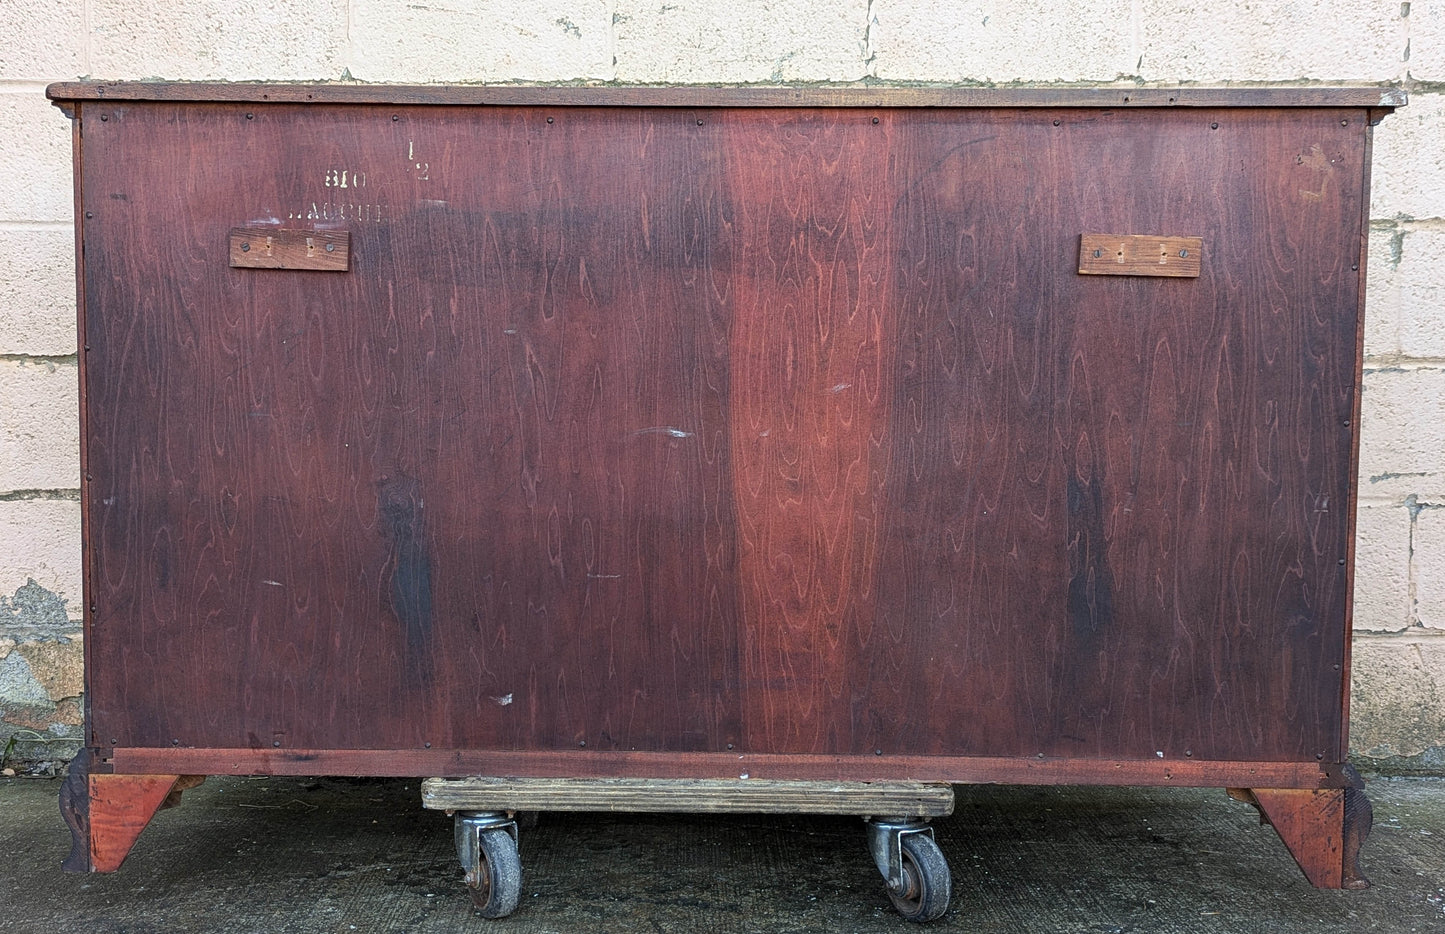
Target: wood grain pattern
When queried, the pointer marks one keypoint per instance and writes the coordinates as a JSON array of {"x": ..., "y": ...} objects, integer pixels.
[
  {"x": 1323, "y": 830},
  {"x": 813, "y": 274},
  {"x": 689, "y": 795},
  {"x": 120, "y": 807},
  {"x": 778, "y": 431}
]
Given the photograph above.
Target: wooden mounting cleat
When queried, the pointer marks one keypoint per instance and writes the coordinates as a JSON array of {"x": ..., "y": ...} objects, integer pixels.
[
  {"x": 106, "y": 812},
  {"x": 1324, "y": 829}
]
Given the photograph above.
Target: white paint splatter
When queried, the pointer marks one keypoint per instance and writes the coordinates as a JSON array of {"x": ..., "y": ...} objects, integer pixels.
[{"x": 663, "y": 430}]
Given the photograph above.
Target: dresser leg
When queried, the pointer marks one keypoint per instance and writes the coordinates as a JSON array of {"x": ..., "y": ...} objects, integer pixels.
[
  {"x": 75, "y": 809},
  {"x": 1323, "y": 829},
  {"x": 106, "y": 812}
]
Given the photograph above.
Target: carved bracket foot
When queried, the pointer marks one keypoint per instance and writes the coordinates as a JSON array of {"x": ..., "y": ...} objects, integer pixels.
[
  {"x": 106, "y": 813},
  {"x": 1324, "y": 829}
]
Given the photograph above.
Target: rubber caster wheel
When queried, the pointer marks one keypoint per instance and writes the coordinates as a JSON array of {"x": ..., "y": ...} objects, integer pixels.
[
  {"x": 926, "y": 885},
  {"x": 495, "y": 882}
]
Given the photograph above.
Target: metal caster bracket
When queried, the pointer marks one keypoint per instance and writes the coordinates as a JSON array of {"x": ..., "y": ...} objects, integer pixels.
[
  {"x": 885, "y": 842},
  {"x": 487, "y": 847},
  {"x": 905, "y": 852}
]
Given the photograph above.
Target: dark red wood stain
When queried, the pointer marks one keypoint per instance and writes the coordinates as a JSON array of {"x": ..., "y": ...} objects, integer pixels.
[{"x": 664, "y": 429}]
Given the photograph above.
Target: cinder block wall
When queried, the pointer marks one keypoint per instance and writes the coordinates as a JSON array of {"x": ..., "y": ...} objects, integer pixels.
[{"x": 1399, "y": 700}]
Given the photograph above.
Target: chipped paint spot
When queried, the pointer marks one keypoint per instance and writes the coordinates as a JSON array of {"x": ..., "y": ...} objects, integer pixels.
[
  {"x": 35, "y": 613},
  {"x": 1318, "y": 162},
  {"x": 663, "y": 430}
]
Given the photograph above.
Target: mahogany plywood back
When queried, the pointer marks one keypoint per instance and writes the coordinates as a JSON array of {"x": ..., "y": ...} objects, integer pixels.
[{"x": 681, "y": 429}]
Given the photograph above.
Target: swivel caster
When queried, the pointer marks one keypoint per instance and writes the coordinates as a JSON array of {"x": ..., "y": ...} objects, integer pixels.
[
  {"x": 913, "y": 866},
  {"x": 487, "y": 847}
]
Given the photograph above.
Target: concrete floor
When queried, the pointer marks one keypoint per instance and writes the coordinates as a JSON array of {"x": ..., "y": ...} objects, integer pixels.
[{"x": 278, "y": 855}]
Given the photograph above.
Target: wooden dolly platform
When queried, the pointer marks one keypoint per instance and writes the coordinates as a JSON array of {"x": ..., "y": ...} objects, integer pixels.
[{"x": 897, "y": 814}]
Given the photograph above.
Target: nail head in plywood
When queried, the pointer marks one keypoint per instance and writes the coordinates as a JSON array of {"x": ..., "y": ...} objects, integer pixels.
[
  {"x": 1140, "y": 255},
  {"x": 287, "y": 248}
]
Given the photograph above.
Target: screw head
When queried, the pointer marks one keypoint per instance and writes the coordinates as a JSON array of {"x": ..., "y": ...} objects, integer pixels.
[
  {"x": 550, "y": 120},
  {"x": 245, "y": 248},
  {"x": 250, "y": 116},
  {"x": 1214, "y": 126},
  {"x": 875, "y": 121},
  {"x": 1183, "y": 254},
  {"x": 104, "y": 117},
  {"x": 1098, "y": 253},
  {"x": 331, "y": 248}
]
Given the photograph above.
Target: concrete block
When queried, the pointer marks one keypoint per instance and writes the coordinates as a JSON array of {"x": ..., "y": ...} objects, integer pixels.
[
  {"x": 40, "y": 540},
  {"x": 1408, "y": 179},
  {"x": 34, "y": 158},
  {"x": 39, "y": 426},
  {"x": 1429, "y": 564},
  {"x": 1426, "y": 31},
  {"x": 1382, "y": 291},
  {"x": 1421, "y": 276},
  {"x": 37, "y": 291},
  {"x": 1402, "y": 433},
  {"x": 1382, "y": 568},
  {"x": 1397, "y": 699},
  {"x": 25, "y": 701},
  {"x": 692, "y": 41},
  {"x": 218, "y": 39},
  {"x": 1338, "y": 40},
  {"x": 58, "y": 666},
  {"x": 18, "y": 685},
  {"x": 985, "y": 40},
  {"x": 44, "y": 40},
  {"x": 481, "y": 40}
]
